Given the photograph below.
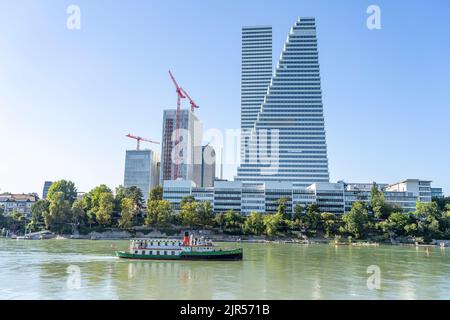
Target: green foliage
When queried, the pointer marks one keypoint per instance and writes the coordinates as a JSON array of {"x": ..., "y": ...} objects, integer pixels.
[
  {"x": 188, "y": 214},
  {"x": 298, "y": 212},
  {"x": 156, "y": 193},
  {"x": 273, "y": 224},
  {"x": 128, "y": 213},
  {"x": 205, "y": 214},
  {"x": 281, "y": 209},
  {"x": 59, "y": 212},
  {"x": 67, "y": 188},
  {"x": 38, "y": 210},
  {"x": 159, "y": 213},
  {"x": 78, "y": 213},
  {"x": 105, "y": 208},
  {"x": 357, "y": 220},
  {"x": 186, "y": 200},
  {"x": 329, "y": 223},
  {"x": 254, "y": 224},
  {"x": 380, "y": 208},
  {"x": 311, "y": 220}
]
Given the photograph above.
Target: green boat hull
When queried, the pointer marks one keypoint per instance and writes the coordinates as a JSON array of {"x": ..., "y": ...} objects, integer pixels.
[{"x": 219, "y": 255}]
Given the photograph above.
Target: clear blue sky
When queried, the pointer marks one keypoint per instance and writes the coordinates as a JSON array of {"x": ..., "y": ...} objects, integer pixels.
[{"x": 67, "y": 98}]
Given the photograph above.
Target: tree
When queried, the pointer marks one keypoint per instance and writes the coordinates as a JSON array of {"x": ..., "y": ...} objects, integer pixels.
[
  {"x": 273, "y": 224},
  {"x": 188, "y": 214},
  {"x": 205, "y": 213},
  {"x": 17, "y": 222},
  {"x": 356, "y": 221},
  {"x": 128, "y": 212},
  {"x": 329, "y": 223},
  {"x": 380, "y": 208},
  {"x": 78, "y": 213},
  {"x": 298, "y": 212},
  {"x": 312, "y": 218},
  {"x": 396, "y": 224},
  {"x": 281, "y": 209},
  {"x": 105, "y": 209},
  {"x": 92, "y": 205},
  {"x": 233, "y": 220},
  {"x": 38, "y": 210},
  {"x": 159, "y": 212},
  {"x": 67, "y": 188},
  {"x": 156, "y": 193},
  {"x": 59, "y": 212},
  {"x": 429, "y": 217},
  {"x": 254, "y": 224},
  {"x": 186, "y": 199}
]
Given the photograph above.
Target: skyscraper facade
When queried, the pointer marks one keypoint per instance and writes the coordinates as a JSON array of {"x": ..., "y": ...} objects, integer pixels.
[
  {"x": 142, "y": 170},
  {"x": 287, "y": 140},
  {"x": 256, "y": 72},
  {"x": 208, "y": 167},
  {"x": 189, "y": 148},
  {"x": 47, "y": 185}
]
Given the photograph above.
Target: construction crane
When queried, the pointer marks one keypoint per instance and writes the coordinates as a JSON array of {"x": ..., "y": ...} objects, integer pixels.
[
  {"x": 181, "y": 94},
  {"x": 193, "y": 104},
  {"x": 139, "y": 139}
]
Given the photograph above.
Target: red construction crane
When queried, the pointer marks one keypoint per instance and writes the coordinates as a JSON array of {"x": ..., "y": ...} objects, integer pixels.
[
  {"x": 181, "y": 94},
  {"x": 139, "y": 139},
  {"x": 193, "y": 104}
]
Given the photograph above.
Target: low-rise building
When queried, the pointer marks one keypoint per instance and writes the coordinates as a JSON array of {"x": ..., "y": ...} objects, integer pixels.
[
  {"x": 18, "y": 203},
  {"x": 338, "y": 198},
  {"x": 437, "y": 193}
]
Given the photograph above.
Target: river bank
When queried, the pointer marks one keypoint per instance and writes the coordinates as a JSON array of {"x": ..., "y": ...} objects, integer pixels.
[{"x": 219, "y": 237}]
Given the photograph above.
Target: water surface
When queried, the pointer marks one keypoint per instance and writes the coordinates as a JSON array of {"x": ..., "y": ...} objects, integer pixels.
[{"x": 49, "y": 269}]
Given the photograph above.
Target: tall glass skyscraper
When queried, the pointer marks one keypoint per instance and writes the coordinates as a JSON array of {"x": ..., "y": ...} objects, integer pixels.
[
  {"x": 287, "y": 139},
  {"x": 141, "y": 170},
  {"x": 256, "y": 73}
]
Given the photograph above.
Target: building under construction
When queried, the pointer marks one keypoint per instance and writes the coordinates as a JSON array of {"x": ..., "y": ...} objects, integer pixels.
[
  {"x": 141, "y": 167},
  {"x": 189, "y": 147}
]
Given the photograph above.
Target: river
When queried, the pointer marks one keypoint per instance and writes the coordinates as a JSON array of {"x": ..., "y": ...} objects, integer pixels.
[{"x": 85, "y": 269}]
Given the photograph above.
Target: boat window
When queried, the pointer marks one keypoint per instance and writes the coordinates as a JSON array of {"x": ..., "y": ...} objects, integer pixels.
[
  {"x": 136, "y": 252},
  {"x": 173, "y": 253},
  {"x": 157, "y": 253},
  {"x": 143, "y": 251}
]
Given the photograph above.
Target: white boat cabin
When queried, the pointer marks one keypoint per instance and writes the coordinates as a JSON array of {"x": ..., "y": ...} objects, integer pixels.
[{"x": 168, "y": 247}]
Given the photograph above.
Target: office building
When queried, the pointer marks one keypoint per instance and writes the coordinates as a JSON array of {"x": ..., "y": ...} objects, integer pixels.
[
  {"x": 142, "y": 170},
  {"x": 47, "y": 185},
  {"x": 256, "y": 72},
  {"x": 263, "y": 197},
  {"x": 189, "y": 147},
  {"x": 437, "y": 193},
  {"x": 207, "y": 169},
  {"x": 287, "y": 140}
]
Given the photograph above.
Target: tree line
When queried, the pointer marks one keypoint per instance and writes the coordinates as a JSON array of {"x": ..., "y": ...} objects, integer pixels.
[{"x": 101, "y": 208}]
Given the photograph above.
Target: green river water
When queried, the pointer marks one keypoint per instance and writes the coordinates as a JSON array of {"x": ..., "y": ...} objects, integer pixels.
[{"x": 84, "y": 269}]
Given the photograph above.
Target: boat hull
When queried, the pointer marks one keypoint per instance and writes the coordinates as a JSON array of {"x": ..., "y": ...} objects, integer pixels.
[{"x": 220, "y": 255}]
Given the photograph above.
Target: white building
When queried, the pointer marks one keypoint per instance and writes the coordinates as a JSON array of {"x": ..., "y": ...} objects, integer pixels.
[
  {"x": 18, "y": 202},
  {"x": 246, "y": 197}
]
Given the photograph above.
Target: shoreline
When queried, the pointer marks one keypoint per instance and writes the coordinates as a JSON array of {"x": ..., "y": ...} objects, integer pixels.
[{"x": 237, "y": 239}]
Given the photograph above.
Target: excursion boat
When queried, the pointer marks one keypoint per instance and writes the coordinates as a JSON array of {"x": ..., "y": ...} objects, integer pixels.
[{"x": 191, "y": 248}]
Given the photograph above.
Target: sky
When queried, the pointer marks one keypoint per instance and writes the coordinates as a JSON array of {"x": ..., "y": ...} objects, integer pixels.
[{"x": 68, "y": 97}]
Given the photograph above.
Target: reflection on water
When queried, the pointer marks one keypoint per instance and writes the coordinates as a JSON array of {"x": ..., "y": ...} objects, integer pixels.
[{"x": 41, "y": 270}]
